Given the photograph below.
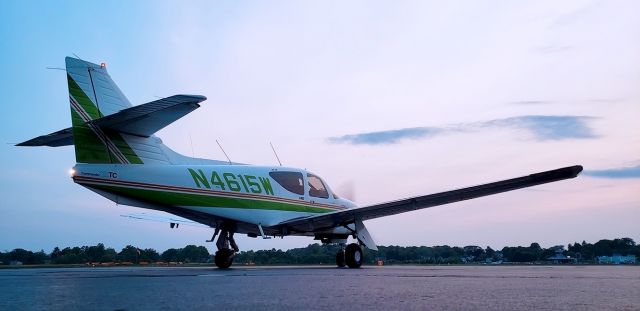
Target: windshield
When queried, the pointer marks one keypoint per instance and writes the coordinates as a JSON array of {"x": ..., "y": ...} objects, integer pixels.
[{"x": 316, "y": 187}]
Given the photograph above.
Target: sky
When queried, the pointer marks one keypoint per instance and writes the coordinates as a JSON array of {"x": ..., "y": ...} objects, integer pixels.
[{"x": 384, "y": 100}]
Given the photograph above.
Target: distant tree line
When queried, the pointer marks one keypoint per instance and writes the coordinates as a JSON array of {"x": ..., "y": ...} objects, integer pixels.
[
  {"x": 325, "y": 254},
  {"x": 101, "y": 254}
]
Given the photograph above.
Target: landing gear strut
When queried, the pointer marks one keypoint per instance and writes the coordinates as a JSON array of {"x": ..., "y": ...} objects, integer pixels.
[
  {"x": 227, "y": 249},
  {"x": 350, "y": 256}
]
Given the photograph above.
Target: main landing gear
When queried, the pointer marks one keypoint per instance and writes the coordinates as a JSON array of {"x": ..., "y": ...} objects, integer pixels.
[
  {"x": 227, "y": 249},
  {"x": 350, "y": 256}
]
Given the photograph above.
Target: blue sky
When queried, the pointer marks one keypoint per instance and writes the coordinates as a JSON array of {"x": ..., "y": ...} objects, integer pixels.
[{"x": 386, "y": 100}]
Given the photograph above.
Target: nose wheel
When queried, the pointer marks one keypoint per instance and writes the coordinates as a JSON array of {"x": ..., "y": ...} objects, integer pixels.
[
  {"x": 351, "y": 256},
  {"x": 224, "y": 258},
  {"x": 227, "y": 249}
]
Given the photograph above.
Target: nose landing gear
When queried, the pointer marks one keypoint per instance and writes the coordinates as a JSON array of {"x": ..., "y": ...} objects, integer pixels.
[
  {"x": 224, "y": 258},
  {"x": 227, "y": 249}
]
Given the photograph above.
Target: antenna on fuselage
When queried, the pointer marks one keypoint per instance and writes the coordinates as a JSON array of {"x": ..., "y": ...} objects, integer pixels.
[
  {"x": 225, "y": 154},
  {"x": 193, "y": 154},
  {"x": 275, "y": 153}
]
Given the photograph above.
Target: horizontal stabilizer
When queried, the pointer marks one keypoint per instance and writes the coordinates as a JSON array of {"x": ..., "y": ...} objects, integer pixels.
[
  {"x": 55, "y": 139},
  {"x": 142, "y": 120},
  {"x": 146, "y": 119}
]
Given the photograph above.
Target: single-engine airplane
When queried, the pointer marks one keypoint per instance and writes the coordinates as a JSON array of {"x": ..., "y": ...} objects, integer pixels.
[{"x": 119, "y": 157}]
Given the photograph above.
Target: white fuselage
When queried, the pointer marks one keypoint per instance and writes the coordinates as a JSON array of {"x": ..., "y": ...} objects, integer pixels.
[{"x": 238, "y": 192}]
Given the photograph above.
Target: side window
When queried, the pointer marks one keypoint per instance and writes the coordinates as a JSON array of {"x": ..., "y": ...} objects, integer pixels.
[
  {"x": 292, "y": 181},
  {"x": 316, "y": 187}
]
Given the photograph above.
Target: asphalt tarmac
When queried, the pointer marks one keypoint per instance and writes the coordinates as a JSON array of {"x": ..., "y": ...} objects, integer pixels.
[{"x": 323, "y": 288}]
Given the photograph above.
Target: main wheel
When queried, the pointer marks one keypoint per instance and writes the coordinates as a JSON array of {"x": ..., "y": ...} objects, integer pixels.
[
  {"x": 224, "y": 258},
  {"x": 340, "y": 262},
  {"x": 353, "y": 255}
]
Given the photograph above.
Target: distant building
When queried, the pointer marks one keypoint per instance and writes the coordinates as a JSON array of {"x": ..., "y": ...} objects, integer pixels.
[
  {"x": 617, "y": 259},
  {"x": 559, "y": 257},
  {"x": 498, "y": 256}
]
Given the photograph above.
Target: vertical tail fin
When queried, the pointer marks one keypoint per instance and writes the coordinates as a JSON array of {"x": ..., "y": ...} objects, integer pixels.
[
  {"x": 105, "y": 128},
  {"x": 92, "y": 95}
]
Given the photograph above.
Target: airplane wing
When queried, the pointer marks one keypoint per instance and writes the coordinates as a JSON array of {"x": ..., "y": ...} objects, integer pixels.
[{"x": 340, "y": 218}]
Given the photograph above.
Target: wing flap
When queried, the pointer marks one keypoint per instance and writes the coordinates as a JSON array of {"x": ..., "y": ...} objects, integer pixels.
[{"x": 331, "y": 220}]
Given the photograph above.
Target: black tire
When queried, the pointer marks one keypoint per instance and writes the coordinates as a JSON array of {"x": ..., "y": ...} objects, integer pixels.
[
  {"x": 224, "y": 258},
  {"x": 340, "y": 262},
  {"x": 353, "y": 255}
]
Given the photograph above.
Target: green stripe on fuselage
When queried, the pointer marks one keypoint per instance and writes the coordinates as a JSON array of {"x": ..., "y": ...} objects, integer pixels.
[{"x": 165, "y": 197}]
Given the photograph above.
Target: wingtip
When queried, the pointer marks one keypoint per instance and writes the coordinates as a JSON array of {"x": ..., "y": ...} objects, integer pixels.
[
  {"x": 194, "y": 96},
  {"x": 560, "y": 173},
  {"x": 577, "y": 169}
]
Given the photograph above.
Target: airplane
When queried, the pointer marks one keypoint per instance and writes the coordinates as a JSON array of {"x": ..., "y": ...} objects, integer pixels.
[{"x": 119, "y": 157}]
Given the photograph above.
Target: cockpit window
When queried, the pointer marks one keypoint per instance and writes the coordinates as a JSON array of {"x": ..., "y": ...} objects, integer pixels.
[
  {"x": 292, "y": 181},
  {"x": 316, "y": 187}
]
